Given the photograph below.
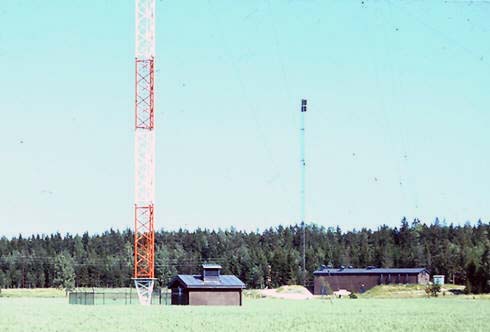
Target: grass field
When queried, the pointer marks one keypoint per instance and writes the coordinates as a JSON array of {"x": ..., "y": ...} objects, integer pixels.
[{"x": 364, "y": 314}]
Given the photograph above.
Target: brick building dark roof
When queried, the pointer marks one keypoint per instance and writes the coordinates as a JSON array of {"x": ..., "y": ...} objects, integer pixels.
[
  {"x": 370, "y": 270},
  {"x": 210, "y": 278},
  {"x": 328, "y": 278}
]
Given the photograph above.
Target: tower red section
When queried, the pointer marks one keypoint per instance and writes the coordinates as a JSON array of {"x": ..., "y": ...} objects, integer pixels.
[{"x": 144, "y": 242}]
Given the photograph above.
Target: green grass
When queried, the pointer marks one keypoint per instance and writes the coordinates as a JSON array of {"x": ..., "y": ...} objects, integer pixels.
[
  {"x": 396, "y": 291},
  {"x": 252, "y": 294},
  {"x": 416, "y": 291},
  {"x": 291, "y": 289},
  {"x": 32, "y": 292},
  {"x": 410, "y": 314}
]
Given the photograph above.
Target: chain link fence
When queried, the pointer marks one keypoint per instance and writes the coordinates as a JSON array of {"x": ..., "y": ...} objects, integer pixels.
[{"x": 159, "y": 297}]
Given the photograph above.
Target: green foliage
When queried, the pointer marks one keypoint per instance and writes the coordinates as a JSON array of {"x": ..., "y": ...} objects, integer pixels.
[
  {"x": 2, "y": 279},
  {"x": 64, "y": 273},
  {"x": 478, "y": 273},
  {"x": 164, "y": 270},
  {"x": 462, "y": 253},
  {"x": 432, "y": 290}
]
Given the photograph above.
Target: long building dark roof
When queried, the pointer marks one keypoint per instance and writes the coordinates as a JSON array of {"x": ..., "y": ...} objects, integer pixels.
[
  {"x": 327, "y": 271},
  {"x": 196, "y": 281}
]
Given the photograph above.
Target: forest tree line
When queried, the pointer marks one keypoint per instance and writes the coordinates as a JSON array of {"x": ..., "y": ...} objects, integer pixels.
[{"x": 461, "y": 253}]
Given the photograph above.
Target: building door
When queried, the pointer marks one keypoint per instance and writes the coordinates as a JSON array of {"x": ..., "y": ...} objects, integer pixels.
[{"x": 177, "y": 296}]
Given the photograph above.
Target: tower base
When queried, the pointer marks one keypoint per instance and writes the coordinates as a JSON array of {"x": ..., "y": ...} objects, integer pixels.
[{"x": 144, "y": 287}]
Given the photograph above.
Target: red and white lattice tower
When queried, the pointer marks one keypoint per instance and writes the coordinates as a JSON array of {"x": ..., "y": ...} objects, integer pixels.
[{"x": 144, "y": 151}]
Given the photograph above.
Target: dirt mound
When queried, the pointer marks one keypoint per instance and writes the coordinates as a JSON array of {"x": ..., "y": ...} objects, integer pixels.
[{"x": 290, "y": 292}]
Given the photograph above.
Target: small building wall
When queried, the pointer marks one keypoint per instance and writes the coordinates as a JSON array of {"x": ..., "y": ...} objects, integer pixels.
[
  {"x": 215, "y": 297},
  {"x": 423, "y": 278}
]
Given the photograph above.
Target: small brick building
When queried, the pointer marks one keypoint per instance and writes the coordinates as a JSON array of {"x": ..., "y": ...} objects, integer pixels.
[
  {"x": 328, "y": 279},
  {"x": 208, "y": 288}
]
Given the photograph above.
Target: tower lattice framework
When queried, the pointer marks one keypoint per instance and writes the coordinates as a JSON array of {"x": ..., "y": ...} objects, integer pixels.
[{"x": 144, "y": 151}]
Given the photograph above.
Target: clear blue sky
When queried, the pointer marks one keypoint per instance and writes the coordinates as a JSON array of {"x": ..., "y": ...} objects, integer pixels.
[{"x": 398, "y": 119}]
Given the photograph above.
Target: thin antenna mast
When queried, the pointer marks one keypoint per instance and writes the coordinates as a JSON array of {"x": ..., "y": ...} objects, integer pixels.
[
  {"x": 144, "y": 151},
  {"x": 302, "y": 190}
]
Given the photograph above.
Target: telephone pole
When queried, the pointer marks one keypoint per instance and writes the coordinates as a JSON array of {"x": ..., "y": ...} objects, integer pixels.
[{"x": 302, "y": 188}]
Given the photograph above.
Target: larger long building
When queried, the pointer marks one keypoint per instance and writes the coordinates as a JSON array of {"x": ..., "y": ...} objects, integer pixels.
[{"x": 329, "y": 279}]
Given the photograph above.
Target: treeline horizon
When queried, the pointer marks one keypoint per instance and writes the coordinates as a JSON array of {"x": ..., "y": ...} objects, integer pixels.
[{"x": 272, "y": 257}]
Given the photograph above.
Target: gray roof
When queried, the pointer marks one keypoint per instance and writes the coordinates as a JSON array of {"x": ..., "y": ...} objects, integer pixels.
[
  {"x": 196, "y": 281},
  {"x": 416, "y": 270}
]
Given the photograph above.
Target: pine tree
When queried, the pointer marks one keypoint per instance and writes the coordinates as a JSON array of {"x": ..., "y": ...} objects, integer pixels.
[{"x": 64, "y": 273}]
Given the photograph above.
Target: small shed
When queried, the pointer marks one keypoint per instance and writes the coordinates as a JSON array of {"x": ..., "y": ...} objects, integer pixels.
[
  {"x": 208, "y": 288},
  {"x": 438, "y": 279}
]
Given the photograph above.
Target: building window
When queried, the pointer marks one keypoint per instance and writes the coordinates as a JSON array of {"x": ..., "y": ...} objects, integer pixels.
[{"x": 211, "y": 273}]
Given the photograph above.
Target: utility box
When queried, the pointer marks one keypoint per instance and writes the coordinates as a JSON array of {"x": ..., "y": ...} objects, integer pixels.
[{"x": 438, "y": 280}]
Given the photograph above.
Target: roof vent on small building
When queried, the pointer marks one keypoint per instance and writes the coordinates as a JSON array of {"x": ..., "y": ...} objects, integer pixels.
[{"x": 210, "y": 272}]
